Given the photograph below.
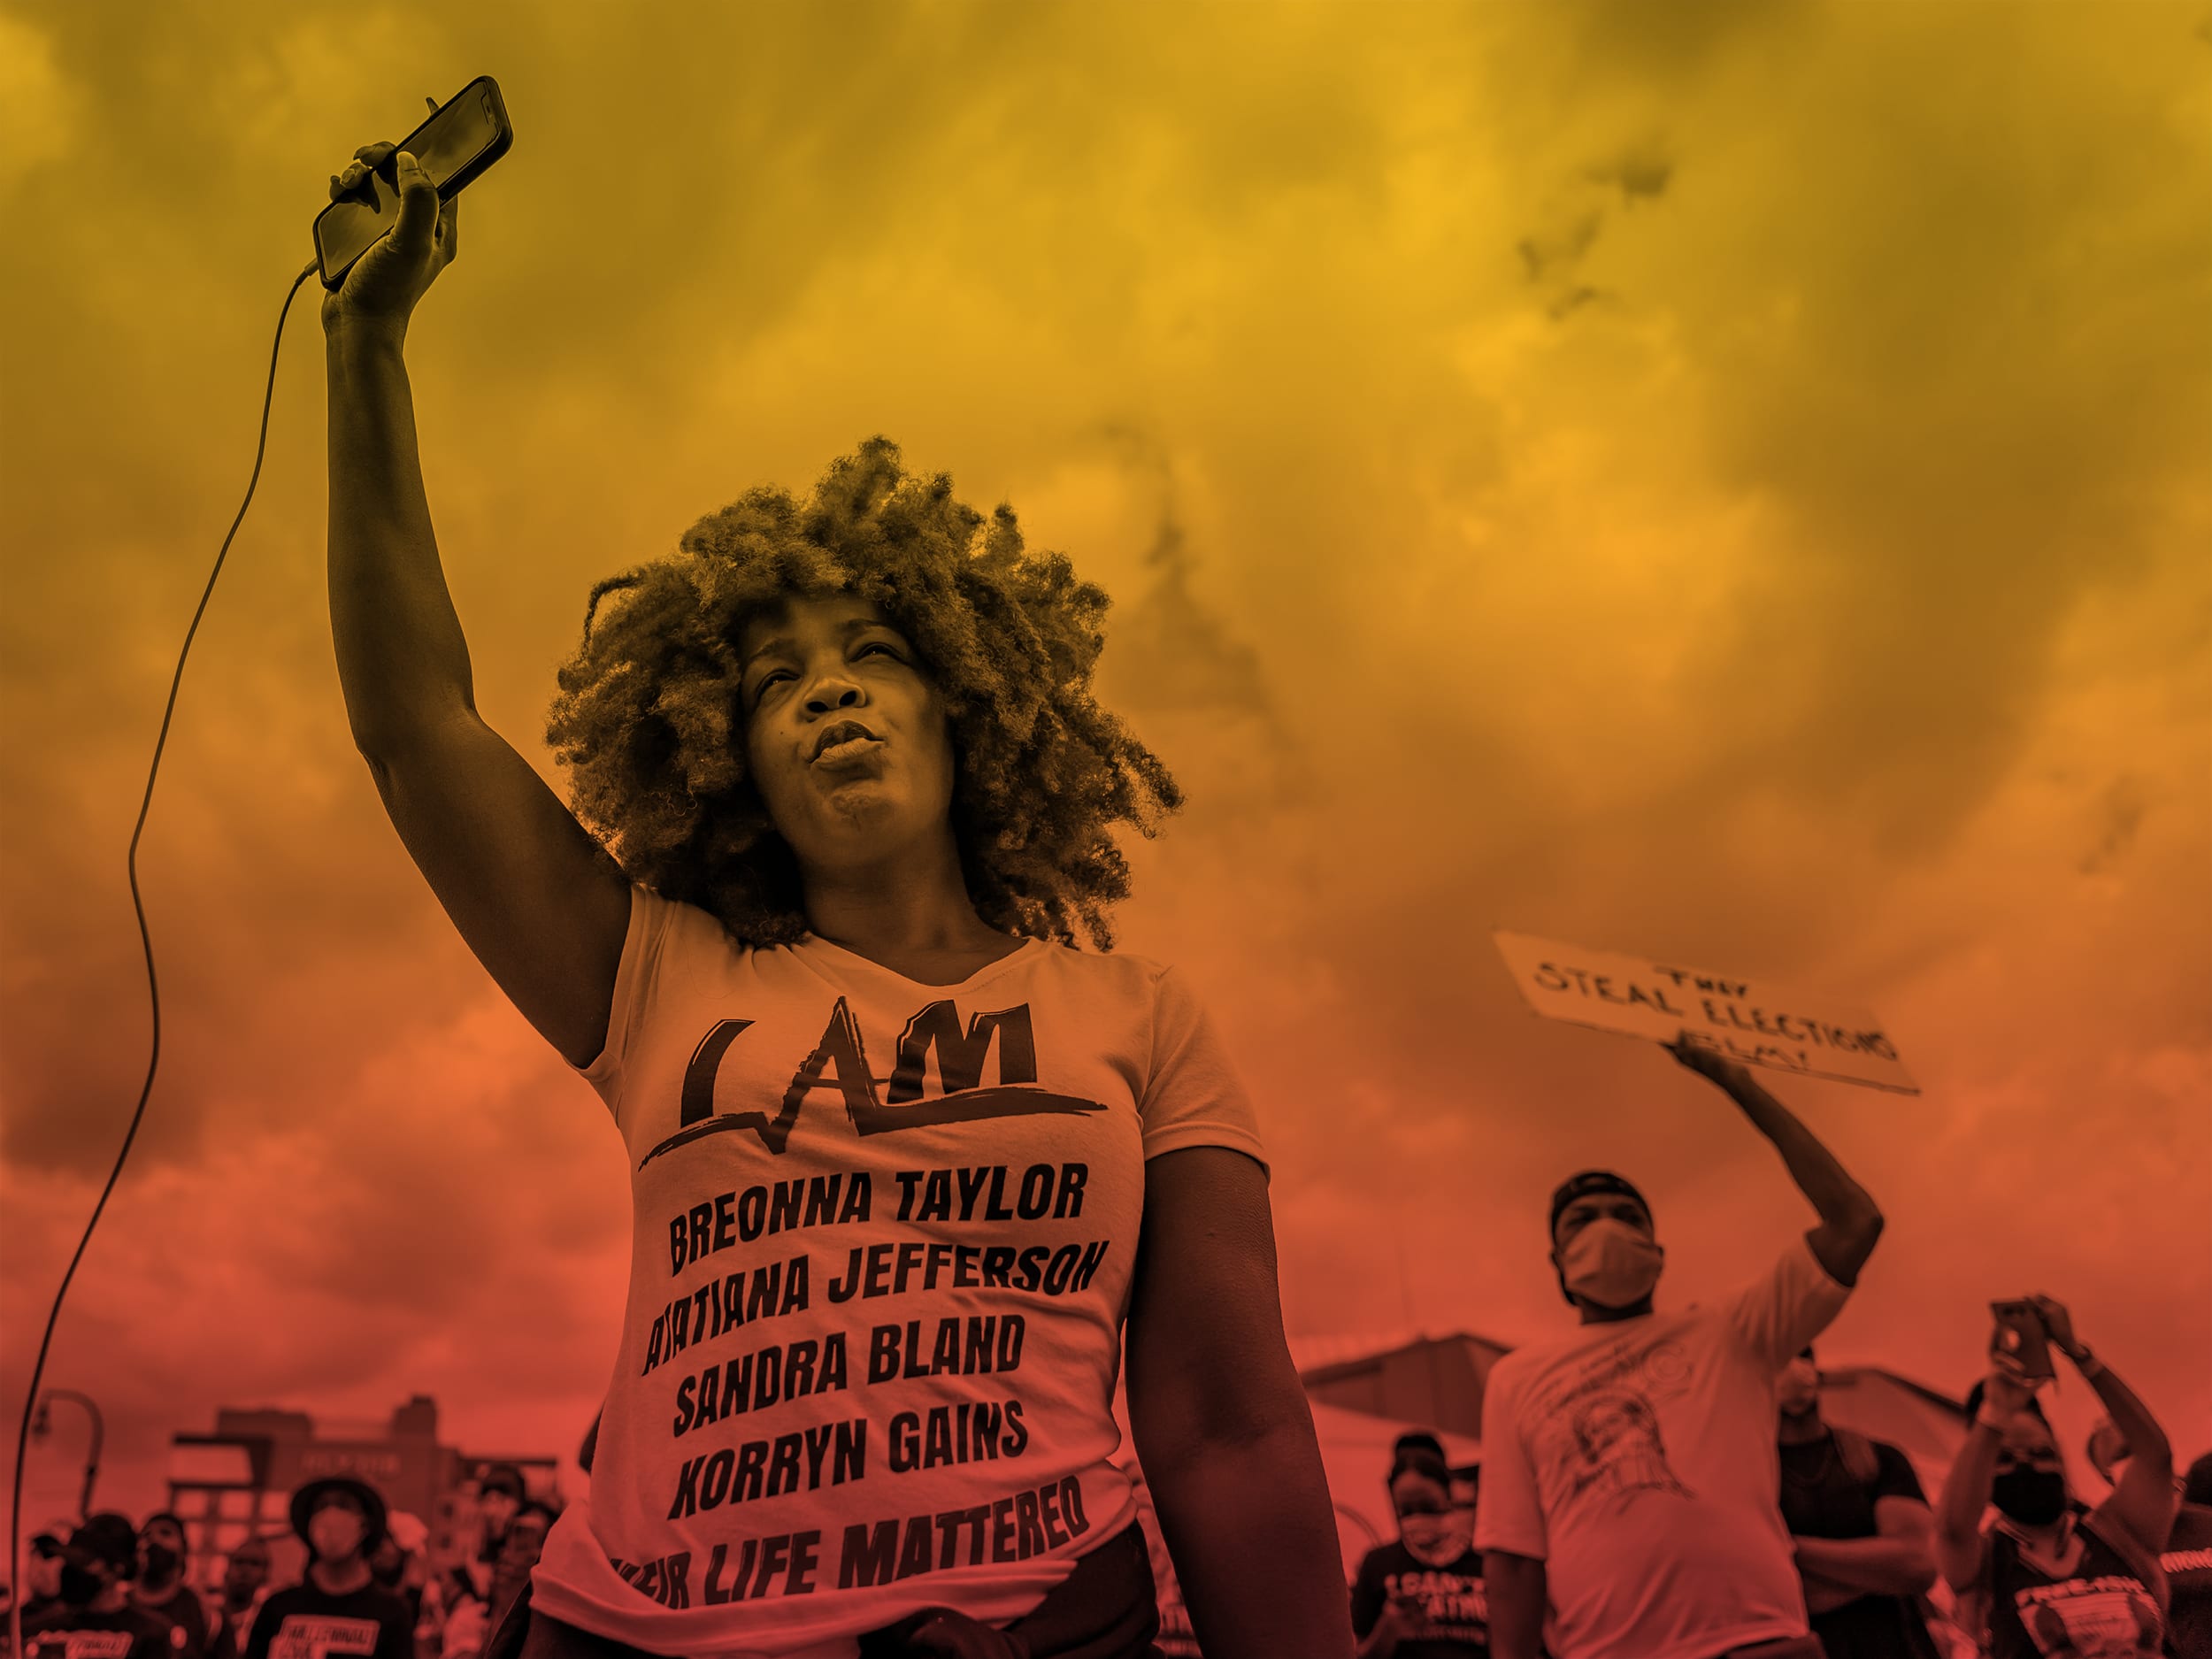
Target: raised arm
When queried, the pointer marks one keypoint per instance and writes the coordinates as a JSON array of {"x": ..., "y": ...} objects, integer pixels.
[
  {"x": 1959, "y": 1540},
  {"x": 1221, "y": 1424},
  {"x": 1850, "y": 1222},
  {"x": 2144, "y": 1501},
  {"x": 541, "y": 903}
]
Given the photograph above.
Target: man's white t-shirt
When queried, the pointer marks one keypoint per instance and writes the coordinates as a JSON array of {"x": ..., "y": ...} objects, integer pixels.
[
  {"x": 884, "y": 1234},
  {"x": 1637, "y": 1461}
]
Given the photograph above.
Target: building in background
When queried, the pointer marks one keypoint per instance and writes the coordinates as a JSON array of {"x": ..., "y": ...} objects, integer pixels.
[{"x": 239, "y": 1480}]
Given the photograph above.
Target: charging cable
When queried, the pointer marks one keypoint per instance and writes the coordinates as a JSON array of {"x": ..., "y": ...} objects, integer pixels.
[{"x": 153, "y": 990}]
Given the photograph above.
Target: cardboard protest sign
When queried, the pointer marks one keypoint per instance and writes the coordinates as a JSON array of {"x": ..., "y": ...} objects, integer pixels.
[{"x": 1754, "y": 1023}]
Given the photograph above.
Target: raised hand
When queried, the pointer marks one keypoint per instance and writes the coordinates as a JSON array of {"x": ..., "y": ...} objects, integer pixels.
[{"x": 385, "y": 284}]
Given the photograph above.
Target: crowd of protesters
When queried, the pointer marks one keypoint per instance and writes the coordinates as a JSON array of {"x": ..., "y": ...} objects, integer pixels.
[
  {"x": 1653, "y": 1485},
  {"x": 1661, "y": 1485},
  {"x": 106, "y": 1589}
]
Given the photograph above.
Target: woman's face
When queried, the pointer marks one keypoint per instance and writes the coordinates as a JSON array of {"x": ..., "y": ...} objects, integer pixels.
[
  {"x": 846, "y": 738},
  {"x": 1427, "y": 1519}
]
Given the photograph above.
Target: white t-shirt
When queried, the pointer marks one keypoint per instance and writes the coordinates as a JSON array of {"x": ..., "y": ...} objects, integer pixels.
[
  {"x": 884, "y": 1234},
  {"x": 1637, "y": 1461}
]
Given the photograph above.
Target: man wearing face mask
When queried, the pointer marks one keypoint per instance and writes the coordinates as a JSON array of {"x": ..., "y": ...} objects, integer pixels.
[
  {"x": 96, "y": 1619},
  {"x": 2051, "y": 1577},
  {"x": 1630, "y": 1469},
  {"x": 338, "y": 1610},
  {"x": 161, "y": 1589},
  {"x": 1861, "y": 1525}
]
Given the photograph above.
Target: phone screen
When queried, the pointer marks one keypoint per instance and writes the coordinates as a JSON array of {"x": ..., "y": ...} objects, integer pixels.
[{"x": 463, "y": 136}]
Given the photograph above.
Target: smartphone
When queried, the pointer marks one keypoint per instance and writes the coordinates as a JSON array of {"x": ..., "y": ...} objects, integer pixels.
[
  {"x": 462, "y": 137},
  {"x": 2021, "y": 1338}
]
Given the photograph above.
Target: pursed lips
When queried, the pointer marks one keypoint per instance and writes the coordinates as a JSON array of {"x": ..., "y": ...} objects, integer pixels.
[{"x": 839, "y": 732}]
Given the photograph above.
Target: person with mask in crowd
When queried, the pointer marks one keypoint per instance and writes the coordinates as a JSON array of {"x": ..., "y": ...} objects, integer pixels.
[
  {"x": 1422, "y": 1596},
  {"x": 96, "y": 1615},
  {"x": 1861, "y": 1525},
  {"x": 2051, "y": 1575},
  {"x": 338, "y": 1608},
  {"x": 844, "y": 811},
  {"x": 161, "y": 1590},
  {"x": 244, "y": 1588},
  {"x": 1629, "y": 1471}
]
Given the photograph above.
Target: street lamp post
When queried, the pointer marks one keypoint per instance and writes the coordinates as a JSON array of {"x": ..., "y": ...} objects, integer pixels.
[{"x": 42, "y": 1427}]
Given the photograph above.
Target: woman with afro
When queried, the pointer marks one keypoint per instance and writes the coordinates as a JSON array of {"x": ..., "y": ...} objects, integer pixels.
[{"x": 905, "y": 1158}]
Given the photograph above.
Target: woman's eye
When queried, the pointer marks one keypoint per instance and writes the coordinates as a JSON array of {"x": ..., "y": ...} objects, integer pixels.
[{"x": 877, "y": 645}]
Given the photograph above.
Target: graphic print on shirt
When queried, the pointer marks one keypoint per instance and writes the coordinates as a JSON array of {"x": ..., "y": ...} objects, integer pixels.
[
  {"x": 1616, "y": 1434},
  {"x": 1602, "y": 1426},
  {"x": 843, "y": 1054},
  {"x": 315, "y": 1636},
  {"x": 726, "y": 1375},
  {"x": 2091, "y": 1618},
  {"x": 79, "y": 1644},
  {"x": 1440, "y": 1606}
]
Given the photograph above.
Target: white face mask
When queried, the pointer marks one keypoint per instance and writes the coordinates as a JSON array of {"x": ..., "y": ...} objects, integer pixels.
[
  {"x": 335, "y": 1533},
  {"x": 1611, "y": 1264}
]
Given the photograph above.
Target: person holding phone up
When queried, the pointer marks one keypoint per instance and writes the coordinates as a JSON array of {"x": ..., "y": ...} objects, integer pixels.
[
  {"x": 904, "y": 1162},
  {"x": 2049, "y": 1576}
]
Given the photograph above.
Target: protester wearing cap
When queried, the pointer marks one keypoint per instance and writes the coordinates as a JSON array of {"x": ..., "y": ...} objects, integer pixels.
[
  {"x": 161, "y": 1590},
  {"x": 1630, "y": 1472},
  {"x": 338, "y": 1608},
  {"x": 96, "y": 1615}
]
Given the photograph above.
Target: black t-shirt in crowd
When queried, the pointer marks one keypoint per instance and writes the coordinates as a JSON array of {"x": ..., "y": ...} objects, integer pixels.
[
  {"x": 188, "y": 1635},
  {"x": 1821, "y": 1498},
  {"x": 307, "y": 1623},
  {"x": 68, "y": 1632},
  {"x": 1444, "y": 1607}
]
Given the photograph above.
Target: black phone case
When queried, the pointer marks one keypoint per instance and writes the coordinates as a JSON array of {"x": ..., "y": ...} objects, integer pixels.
[
  {"x": 503, "y": 140},
  {"x": 2020, "y": 1335}
]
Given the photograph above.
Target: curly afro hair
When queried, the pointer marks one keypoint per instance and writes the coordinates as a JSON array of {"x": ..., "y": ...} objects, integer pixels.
[{"x": 650, "y": 724}]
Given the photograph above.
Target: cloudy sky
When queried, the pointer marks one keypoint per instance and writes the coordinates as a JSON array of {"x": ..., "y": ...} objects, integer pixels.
[{"x": 1722, "y": 481}]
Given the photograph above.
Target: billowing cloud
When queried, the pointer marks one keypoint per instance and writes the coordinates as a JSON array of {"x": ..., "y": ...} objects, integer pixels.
[{"x": 1722, "y": 481}]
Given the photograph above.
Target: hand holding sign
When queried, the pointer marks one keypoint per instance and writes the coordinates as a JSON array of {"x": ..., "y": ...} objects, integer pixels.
[
  {"x": 1705, "y": 1018},
  {"x": 1706, "y": 1061}
]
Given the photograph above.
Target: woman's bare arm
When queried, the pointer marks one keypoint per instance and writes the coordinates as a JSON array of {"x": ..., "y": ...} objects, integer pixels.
[
  {"x": 1222, "y": 1425},
  {"x": 541, "y": 903}
]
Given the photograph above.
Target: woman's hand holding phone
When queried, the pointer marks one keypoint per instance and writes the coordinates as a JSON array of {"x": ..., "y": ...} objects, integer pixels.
[{"x": 385, "y": 283}]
